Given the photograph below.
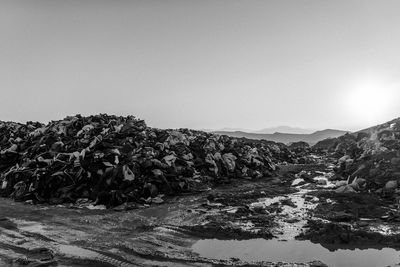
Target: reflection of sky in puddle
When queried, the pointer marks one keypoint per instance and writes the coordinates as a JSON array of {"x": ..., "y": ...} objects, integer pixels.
[
  {"x": 77, "y": 252},
  {"x": 293, "y": 251},
  {"x": 34, "y": 228},
  {"x": 29, "y": 226}
]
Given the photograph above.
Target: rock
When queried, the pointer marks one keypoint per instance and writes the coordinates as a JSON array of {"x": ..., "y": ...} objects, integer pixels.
[
  {"x": 345, "y": 189},
  {"x": 257, "y": 205},
  {"x": 390, "y": 186},
  {"x": 314, "y": 200},
  {"x": 340, "y": 216},
  {"x": 288, "y": 202},
  {"x": 343, "y": 159},
  {"x": 363, "y": 224},
  {"x": 215, "y": 205},
  {"x": 96, "y": 207},
  {"x": 322, "y": 182},
  {"x": 358, "y": 184},
  {"x": 341, "y": 183},
  {"x": 157, "y": 200},
  {"x": 349, "y": 162},
  {"x": 276, "y": 181},
  {"x": 298, "y": 181},
  {"x": 260, "y": 210}
]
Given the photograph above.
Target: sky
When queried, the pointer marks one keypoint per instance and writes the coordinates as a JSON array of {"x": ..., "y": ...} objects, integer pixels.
[{"x": 202, "y": 64}]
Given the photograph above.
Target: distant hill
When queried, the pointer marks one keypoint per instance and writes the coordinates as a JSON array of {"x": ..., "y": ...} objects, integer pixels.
[
  {"x": 284, "y": 129},
  {"x": 269, "y": 130},
  {"x": 287, "y": 138}
]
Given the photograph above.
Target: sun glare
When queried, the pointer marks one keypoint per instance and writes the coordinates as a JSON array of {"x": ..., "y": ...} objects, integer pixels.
[{"x": 370, "y": 100}]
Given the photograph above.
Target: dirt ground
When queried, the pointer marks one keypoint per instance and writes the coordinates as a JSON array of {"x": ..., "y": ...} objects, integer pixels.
[{"x": 162, "y": 235}]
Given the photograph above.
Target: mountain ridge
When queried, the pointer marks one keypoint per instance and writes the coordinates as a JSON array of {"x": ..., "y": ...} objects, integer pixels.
[
  {"x": 287, "y": 138},
  {"x": 267, "y": 130}
]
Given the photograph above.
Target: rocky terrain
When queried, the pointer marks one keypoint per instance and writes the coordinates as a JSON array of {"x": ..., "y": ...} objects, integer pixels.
[{"x": 110, "y": 191}]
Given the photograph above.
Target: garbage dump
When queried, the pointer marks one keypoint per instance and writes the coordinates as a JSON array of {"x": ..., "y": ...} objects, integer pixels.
[
  {"x": 110, "y": 160},
  {"x": 367, "y": 160}
]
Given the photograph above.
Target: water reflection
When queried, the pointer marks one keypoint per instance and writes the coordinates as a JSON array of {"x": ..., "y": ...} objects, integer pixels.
[{"x": 294, "y": 251}]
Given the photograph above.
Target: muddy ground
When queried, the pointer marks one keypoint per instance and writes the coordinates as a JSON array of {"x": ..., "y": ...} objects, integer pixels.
[{"x": 298, "y": 203}]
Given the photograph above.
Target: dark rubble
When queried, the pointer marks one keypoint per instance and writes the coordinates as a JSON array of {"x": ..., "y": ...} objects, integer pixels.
[
  {"x": 113, "y": 160},
  {"x": 366, "y": 195},
  {"x": 370, "y": 157}
]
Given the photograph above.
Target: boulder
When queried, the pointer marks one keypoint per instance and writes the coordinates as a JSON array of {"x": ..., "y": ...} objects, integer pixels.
[
  {"x": 345, "y": 189},
  {"x": 358, "y": 184},
  {"x": 341, "y": 183},
  {"x": 390, "y": 186}
]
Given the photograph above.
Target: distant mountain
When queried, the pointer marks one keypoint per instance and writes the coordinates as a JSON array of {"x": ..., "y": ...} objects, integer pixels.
[
  {"x": 284, "y": 129},
  {"x": 227, "y": 129},
  {"x": 269, "y": 130},
  {"x": 287, "y": 138}
]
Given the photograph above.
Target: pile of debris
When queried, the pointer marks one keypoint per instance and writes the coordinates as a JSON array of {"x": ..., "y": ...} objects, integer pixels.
[
  {"x": 303, "y": 153},
  {"x": 368, "y": 159},
  {"x": 112, "y": 160}
]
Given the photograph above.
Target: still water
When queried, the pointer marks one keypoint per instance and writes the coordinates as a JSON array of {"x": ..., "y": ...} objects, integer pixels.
[{"x": 294, "y": 251}]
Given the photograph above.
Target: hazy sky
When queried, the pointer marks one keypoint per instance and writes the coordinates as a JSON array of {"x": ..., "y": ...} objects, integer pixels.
[{"x": 202, "y": 64}]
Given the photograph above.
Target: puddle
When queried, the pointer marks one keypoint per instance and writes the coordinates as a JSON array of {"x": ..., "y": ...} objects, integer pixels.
[
  {"x": 34, "y": 228},
  {"x": 30, "y": 226},
  {"x": 78, "y": 252},
  {"x": 293, "y": 251},
  {"x": 290, "y": 222}
]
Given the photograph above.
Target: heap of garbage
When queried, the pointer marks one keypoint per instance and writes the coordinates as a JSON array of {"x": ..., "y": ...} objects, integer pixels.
[
  {"x": 112, "y": 160},
  {"x": 367, "y": 160},
  {"x": 303, "y": 153}
]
